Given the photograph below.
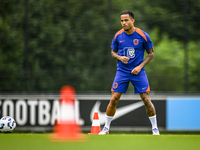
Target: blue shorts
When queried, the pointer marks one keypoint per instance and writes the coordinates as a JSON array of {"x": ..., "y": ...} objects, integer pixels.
[{"x": 121, "y": 83}]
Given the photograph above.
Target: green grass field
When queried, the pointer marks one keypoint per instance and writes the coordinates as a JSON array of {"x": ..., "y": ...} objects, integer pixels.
[{"x": 34, "y": 141}]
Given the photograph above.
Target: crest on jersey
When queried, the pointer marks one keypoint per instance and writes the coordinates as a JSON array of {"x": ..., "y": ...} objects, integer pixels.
[
  {"x": 135, "y": 41},
  {"x": 129, "y": 52}
]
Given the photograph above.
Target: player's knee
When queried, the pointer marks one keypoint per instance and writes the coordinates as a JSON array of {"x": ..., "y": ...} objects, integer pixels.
[
  {"x": 145, "y": 97},
  {"x": 114, "y": 100},
  {"x": 146, "y": 100}
]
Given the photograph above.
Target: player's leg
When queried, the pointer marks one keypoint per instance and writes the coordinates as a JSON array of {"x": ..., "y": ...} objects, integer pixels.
[
  {"x": 141, "y": 86},
  {"x": 110, "y": 112},
  {"x": 111, "y": 108},
  {"x": 151, "y": 112},
  {"x": 119, "y": 86},
  {"x": 150, "y": 109}
]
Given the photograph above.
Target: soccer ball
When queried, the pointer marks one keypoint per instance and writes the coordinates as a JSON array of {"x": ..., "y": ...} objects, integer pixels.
[{"x": 7, "y": 124}]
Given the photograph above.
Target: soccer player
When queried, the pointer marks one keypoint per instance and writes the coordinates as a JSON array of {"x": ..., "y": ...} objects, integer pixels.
[{"x": 128, "y": 48}]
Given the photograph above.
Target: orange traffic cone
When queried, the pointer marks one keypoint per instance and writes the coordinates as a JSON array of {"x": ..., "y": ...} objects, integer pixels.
[
  {"x": 66, "y": 128},
  {"x": 95, "y": 129}
]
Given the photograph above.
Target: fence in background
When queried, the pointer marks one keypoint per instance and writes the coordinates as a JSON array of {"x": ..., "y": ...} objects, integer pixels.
[{"x": 38, "y": 113}]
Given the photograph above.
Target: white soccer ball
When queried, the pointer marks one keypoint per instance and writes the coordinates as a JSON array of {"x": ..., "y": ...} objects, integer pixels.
[{"x": 7, "y": 124}]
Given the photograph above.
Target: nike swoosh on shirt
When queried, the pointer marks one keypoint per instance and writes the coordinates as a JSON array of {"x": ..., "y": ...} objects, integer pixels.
[{"x": 119, "y": 111}]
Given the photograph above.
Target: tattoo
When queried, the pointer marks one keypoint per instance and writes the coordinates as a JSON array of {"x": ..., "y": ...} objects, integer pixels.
[
  {"x": 115, "y": 54},
  {"x": 150, "y": 109}
]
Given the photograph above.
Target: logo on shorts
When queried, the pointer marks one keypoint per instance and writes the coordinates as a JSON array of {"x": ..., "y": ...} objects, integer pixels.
[
  {"x": 135, "y": 41},
  {"x": 115, "y": 85}
]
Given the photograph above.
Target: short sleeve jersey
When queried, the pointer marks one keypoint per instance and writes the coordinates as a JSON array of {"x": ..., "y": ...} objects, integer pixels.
[{"x": 132, "y": 46}]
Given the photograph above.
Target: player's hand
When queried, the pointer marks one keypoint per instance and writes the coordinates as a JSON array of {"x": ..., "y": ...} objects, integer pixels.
[
  {"x": 124, "y": 59},
  {"x": 136, "y": 70}
]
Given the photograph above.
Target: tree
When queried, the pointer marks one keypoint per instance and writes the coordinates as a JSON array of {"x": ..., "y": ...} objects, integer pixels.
[
  {"x": 11, "y": 47},
  {"x": 69, "y": 43}
]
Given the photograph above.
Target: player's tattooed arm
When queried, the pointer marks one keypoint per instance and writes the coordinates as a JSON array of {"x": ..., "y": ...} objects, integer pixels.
[
  {"x": 115, "y": 55},
  {"x": 150, "y": 55}
]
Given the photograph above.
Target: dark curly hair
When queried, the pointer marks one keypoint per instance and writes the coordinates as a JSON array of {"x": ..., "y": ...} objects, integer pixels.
[{"x": 131, "y": 14}]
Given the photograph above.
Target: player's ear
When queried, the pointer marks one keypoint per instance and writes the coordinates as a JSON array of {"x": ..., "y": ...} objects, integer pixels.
[{"x": 133, "y": 20}]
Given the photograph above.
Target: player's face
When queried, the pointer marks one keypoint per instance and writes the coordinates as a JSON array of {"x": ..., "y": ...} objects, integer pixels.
[{"x": 127, "y": 22}]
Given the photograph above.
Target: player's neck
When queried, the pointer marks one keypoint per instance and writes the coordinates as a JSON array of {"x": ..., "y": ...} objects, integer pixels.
[{"x": 130, "y": 31}]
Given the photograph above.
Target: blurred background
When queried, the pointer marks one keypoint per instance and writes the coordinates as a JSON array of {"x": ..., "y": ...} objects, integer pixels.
[{"x": 45, "y": 44}]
